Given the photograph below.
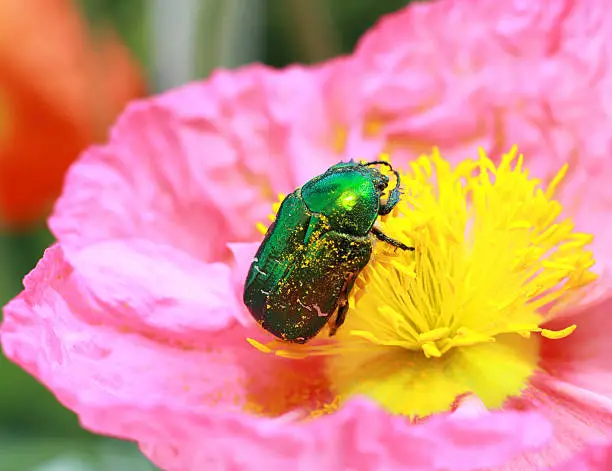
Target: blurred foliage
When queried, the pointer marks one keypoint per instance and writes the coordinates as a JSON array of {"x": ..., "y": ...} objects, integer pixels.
[
  {"x": 36, "y": 432},
  {"x": 128, "y": 17},
  {"x": 57, "y": 454},
  {"x": 347, "y": 20}
]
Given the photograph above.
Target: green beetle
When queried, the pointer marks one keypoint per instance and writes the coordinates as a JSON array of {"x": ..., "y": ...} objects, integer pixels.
[{"x": 313, "y": 252}]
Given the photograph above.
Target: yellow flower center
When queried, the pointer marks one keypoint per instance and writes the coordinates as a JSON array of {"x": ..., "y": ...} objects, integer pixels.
[{"x": 493, "y": 261}]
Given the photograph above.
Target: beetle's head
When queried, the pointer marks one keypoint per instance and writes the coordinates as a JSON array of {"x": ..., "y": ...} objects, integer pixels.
[
  {"x": 378, "y": 179},
  {"x": 381, "y": 182}
]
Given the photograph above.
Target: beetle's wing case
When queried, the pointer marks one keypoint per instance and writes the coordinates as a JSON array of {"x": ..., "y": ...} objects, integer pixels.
[
  {"x": 294, "y": 282},
  {"x": 307, "y": 295},
  {"x": 283, "y": 241}
]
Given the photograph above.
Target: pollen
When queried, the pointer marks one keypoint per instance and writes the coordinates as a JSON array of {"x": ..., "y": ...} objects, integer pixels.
[{"x": 465, "y": 312}]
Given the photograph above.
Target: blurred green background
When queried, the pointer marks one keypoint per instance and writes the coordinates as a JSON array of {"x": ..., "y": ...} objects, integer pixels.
[{"x": 36, "y": 432}]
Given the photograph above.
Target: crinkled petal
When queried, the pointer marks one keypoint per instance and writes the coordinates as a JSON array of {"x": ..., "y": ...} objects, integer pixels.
[
  {"x": 597, "y": 457},
  {"x": 586, "y": 195},
  {"x": 243, "y": 257},
  {"x": 150, "y": 331},
  {"x": 149, "y": 183},
  {"x": 327, "y": 123},
  {"x": 126, "y": 343},
  {"x": 193, "y": 168},
  {"x": 183, "y": 401},
  {"x": 578, "y": 417},
  {"x": 152, "y": 287},
  {"x": 358, "y": 437},
  {"x": 535, "y": 74},
  {"x": 583, "y": 359}
]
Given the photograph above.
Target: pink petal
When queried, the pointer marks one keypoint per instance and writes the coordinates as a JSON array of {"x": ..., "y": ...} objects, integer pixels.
[
  {"x": 587, "y": 198},
  {"x": 243, "y": 253},
  {"x": 193, "y": 168},
  {"x": 151, "y": 287},
  {"x": 470, "y": 405},
  {"x": 327, "y": 122},
  {"x": 134, "y": 188},
  {"x": 595, "y": 457},
  {"x": 526, "y": 73},
  {"x": 93, "y": 349},
  {"x": 128, "y": 343},
  {"x": 535, "y": 74},
  {"x": 583, "y": 359},
  {"x": 532, "y": 71},
  {"x": 358, "y": 437},
  {"x": 578, "y": 417},
  {"x": 182, "y": 400}
]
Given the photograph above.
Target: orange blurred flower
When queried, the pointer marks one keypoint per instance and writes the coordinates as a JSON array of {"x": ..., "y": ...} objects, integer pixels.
[{"x": 60, "y": 88}]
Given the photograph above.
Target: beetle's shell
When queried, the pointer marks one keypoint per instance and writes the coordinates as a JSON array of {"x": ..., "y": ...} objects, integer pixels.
[
  {"x": 300, "y": 269},
  {"x": 314, "y": 251},
  {"x": 347, "y": 196}
]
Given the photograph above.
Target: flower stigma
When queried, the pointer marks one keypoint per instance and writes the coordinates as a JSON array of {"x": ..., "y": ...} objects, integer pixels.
[{"x": 464, "y": 313}]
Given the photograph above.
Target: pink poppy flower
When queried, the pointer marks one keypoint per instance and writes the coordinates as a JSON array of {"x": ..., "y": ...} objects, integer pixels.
[{"x": 134, "y": 320}]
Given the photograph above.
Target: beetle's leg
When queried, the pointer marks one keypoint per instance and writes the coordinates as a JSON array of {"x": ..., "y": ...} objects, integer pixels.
[
  {"x": 343, "y": 304},
  {"x": 380, "y": 235},
  {"x": 342, "y": 310}
]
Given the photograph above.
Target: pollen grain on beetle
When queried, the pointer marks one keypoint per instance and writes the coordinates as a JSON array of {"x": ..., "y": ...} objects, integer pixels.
[{"x": 494, "y": 260}]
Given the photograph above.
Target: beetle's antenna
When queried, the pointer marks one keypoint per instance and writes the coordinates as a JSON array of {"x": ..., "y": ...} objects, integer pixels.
[{"x": 380, "y": 162}]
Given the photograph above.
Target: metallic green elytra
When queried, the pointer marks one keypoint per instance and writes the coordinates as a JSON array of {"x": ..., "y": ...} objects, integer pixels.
[{"x": 313, "y": 252}]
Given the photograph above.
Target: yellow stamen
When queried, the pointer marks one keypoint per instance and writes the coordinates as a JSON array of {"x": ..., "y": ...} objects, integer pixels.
[
  {"x": 493, "y": 260},
  {"x": 261, "y": 227}
]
